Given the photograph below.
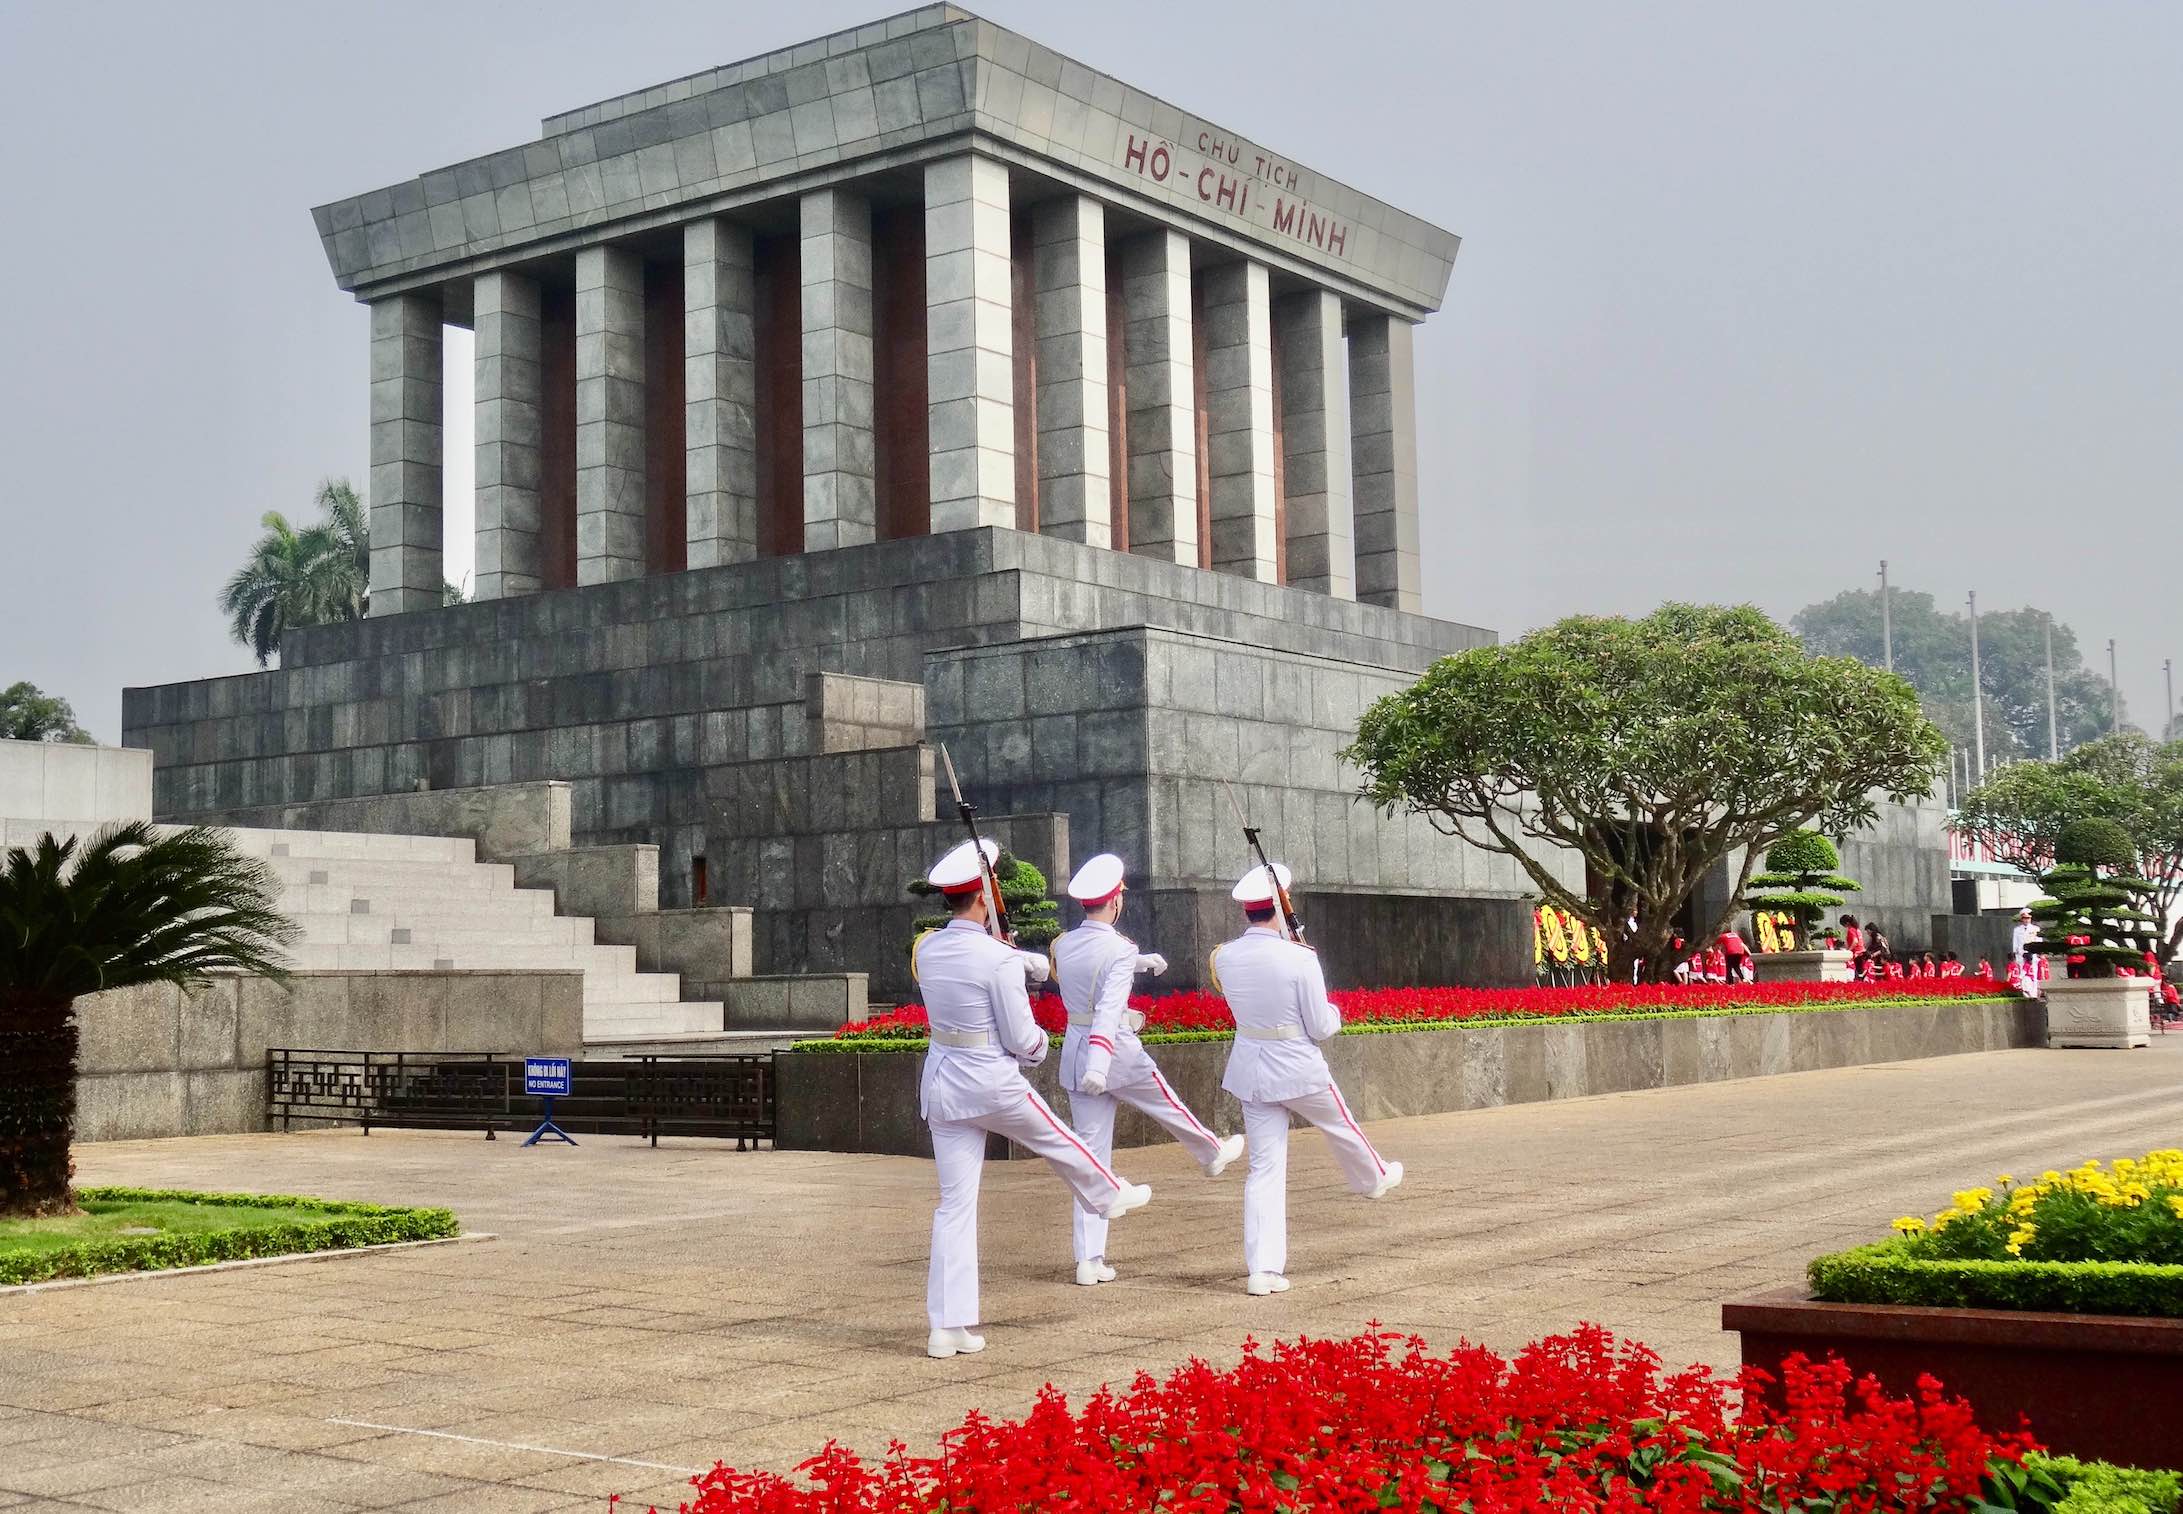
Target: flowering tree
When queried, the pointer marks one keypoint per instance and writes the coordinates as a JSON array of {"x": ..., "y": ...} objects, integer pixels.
[
  {"x": 1654, "y": 749},
  {"x": 2019, "y": 813}
]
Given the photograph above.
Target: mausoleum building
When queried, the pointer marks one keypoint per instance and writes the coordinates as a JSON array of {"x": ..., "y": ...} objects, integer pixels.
[{"x": 916, "y": 384}]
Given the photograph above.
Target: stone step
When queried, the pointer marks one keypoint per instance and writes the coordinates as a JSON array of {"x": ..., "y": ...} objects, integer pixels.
[
  {"x": 631, "y": 989},
  {"x": 430, "y": 927},
  {"x": 609, "y": 964},
  {"x": 630, "y": 1028},
  {"x": 256, "y": 842},
  {"x": 362, "y": 872},
  {"x": 383, "y": 897}
]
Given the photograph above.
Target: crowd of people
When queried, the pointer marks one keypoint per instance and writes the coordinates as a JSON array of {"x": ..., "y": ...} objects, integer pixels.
[{"x": 1874, "y": 959}]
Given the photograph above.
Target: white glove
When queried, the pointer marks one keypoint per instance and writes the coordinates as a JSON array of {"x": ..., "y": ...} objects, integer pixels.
[
  {"x": 1035, "y": 966},
  {"x": 1133, "y": 1020},
  {"x": 1092, "y": 1082},
  {"x": 1151, "y": 962}
]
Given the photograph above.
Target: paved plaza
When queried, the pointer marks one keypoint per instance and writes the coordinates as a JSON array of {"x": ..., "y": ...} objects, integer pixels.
[{"x": 639, "y": 1312}]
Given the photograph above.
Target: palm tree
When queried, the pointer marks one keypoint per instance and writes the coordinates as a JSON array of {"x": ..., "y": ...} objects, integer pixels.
[
  {"x": 302, "y": 577},
  {"x": 130, "y": 906}
]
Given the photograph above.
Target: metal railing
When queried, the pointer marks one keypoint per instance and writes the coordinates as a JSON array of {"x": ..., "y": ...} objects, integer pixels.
[{"x": 720, "y": 1097}]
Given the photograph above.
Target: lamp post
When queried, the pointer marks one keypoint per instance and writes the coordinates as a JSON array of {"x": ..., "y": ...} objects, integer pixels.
[
  {"x": 2054, "y": 745},
  {"x": 1978, "y": 698},
  {"x": 1887, "y": 620},
  {"x": 2167, "y": 674},
  {"x": 2114, "y": 692}
]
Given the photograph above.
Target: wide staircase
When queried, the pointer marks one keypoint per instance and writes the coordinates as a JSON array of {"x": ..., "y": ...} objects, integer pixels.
[{"x": 377, "y": 901}]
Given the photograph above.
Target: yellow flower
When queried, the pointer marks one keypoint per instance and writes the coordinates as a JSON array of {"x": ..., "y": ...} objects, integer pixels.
[
  {"x": 2006, "y": 1180},
  {"x": 1910, "y": 1224}
]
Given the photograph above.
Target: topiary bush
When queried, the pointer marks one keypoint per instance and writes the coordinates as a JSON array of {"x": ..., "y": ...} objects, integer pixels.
[
  {"x": 1035, "y": 917},
  {"x": 2093, "y": 913},
  {"x": 1802, "y": 880}
]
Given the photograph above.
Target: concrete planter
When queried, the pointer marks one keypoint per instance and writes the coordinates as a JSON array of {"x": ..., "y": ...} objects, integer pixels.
[
  {"x": 2091, "y": 1385},
  {"x": 1803, "y": 967},
  {"x": 867, "y": 1101},
  {"x": 2104, "y": 1012}
]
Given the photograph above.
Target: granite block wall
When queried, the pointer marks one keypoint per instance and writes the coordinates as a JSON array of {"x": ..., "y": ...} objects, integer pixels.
[
  {"x": 638, "y": 694},
  {"x": 1131, "y": 732},
  {"x": 157, "y": 1061},
  {"x": 840, "y": 1101}
]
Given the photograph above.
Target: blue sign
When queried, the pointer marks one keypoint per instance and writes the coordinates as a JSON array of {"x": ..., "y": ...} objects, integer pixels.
[{"x": 546, "y": 1075}]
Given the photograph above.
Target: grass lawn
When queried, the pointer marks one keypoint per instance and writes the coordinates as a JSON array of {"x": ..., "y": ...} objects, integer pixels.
[{"x": 134, "y": 1230}]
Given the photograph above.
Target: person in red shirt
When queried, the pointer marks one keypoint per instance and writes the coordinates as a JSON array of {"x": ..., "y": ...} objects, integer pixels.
[
  {"x": 1716, "y": 965},
  {"x": 1985, "y": 967},
  {"x": 1951, "y": 966},
  {"x": 1853, "y": 937},
  {"x": 1736, "y": 957}
]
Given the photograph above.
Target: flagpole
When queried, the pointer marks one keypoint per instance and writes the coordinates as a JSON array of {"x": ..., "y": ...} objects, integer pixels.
[{"x": 1978, "y": 698}]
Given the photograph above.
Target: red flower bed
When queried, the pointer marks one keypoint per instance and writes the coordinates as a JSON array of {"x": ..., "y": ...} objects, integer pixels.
[
  {"x": 1575, "y": 1422},
  {"x": 1198, "y": 1010}
]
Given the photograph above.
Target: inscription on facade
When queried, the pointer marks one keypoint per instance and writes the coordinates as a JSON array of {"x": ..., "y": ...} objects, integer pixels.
[{"x": 1232, "y": 176}]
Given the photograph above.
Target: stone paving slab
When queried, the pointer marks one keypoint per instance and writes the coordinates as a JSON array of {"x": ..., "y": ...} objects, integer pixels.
[{"x": 644, "y": 1311}]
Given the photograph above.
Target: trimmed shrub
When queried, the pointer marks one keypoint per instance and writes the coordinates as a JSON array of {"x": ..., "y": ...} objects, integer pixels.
[
  {"x": 1802, "y": 880},
  {"x": 338, "y": 1226},
  {"x": 1886, "y": 1272},
  {"x": 1035, "y": 918}
]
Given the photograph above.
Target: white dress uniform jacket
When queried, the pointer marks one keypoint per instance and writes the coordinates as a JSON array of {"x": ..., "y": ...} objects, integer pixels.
[
  {"x": 1277, "y": 994},
  {"x": 973, "y": 986},
  {"x": 1096, "y": 965}
]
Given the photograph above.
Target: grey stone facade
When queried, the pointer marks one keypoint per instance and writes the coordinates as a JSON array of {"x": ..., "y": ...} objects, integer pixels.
[{"x": 1106, "y": 691}]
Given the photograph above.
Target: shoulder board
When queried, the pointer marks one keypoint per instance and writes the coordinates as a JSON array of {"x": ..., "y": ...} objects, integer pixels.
[
  {"x": 915, "y": 945},
  {"x": 1212, "y": 970}
]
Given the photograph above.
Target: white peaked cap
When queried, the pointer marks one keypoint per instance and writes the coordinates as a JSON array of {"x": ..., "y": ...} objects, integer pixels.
[
  {"x": 962, "y": 869},
  {"x": 1254, "y": 888},
  {"x": 1097, "y": 881}
]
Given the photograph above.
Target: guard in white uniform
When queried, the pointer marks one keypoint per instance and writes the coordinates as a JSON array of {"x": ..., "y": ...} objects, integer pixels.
[
  {"x": 983, "y": 1036},
  {"x": 1102, "y": 1061},
  {"x": 1277, "y": 994}
]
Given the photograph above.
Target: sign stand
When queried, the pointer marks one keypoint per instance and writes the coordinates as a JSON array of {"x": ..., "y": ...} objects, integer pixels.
[{"x": 548, "y": 1078}]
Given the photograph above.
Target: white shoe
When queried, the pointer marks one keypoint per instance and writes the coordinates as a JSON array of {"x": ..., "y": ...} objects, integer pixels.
[
  {"x": 1132, "y": 1196},
  {"x": 957, "y": 1342},
  {"x": 1093, "y": 1271},
  {"x": 1230, "y": 1149},
  {"x": 1389, "y": 1180},
  {"x": 1259, "y": 1284}
]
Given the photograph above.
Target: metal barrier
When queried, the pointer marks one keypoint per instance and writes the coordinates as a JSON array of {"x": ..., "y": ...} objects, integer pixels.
[{"x": 722, "y": 1097}]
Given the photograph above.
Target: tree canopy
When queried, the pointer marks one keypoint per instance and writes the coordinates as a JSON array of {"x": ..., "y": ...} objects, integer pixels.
[
  {"x": 29, "y": 713},
  {"x": 2021, "y": 812},
  {"x": 1651, "y": 748},
  {"x": 1802, "y": 879},
  {"x": 306, "y": 575},
  {"x": 1933, "y": 651}
]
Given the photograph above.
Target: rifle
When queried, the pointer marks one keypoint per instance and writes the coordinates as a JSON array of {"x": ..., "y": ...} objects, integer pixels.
[
  {"x": 996, "y": 924},
  {"x": 1293, "y": 926}
]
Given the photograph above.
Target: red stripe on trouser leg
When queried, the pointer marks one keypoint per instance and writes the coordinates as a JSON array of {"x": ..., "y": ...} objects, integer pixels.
[
  {"x": 1063, "y": 1131},
  {"x": 1173, "y": 1103},
  {"x": 1344, "y": 1108}
]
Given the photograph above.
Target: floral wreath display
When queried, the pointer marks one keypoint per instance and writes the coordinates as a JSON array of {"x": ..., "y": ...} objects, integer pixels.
[
  {"x": 1775, "y": 929},
  {"x": 1566, "y": 941}
]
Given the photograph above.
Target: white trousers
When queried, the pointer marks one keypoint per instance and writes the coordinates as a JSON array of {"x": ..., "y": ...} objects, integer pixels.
[
  {"x": 1093, "y": 1115},
  {"x": 1266, "y": 1187},
  {"x": 958, "y": 1149}
]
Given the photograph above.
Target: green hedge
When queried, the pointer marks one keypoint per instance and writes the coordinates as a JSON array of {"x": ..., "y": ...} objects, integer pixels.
[
  {"x": 1392, "y": 1027},
  {"x": 1882, "y": 1273},
  {"x": 2065, "y": 1485},
  {"x": 344, "y": 1226}
]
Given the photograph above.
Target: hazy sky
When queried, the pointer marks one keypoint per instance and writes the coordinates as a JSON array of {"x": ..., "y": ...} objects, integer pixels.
[{"x": 1749, "y": 296}]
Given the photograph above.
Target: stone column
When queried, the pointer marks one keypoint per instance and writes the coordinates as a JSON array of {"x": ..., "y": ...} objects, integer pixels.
[
  {"x": 1163, "y": 429},
  {"x": 969, "y": 346},
  {"x": 1069, "y": 257},
  {"x": 1315, "y": 439},
  {"x": 406, "y": 563},
  {"x": 510, "y": 409},
  {"x": 1383, "y": 439},
  {"x": 720, "y": 395},
  {"x": 1239, "y": 419},
  {"x": 839, "y": 501},
  {"x": 609, "y": 415}
]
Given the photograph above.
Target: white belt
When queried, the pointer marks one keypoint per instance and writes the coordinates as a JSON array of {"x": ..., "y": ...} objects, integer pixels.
[
  {"x": 1271, "y": 1032},
  {"x": 963, "y": 1040},
  {"x": 1080, "y": 1019}
]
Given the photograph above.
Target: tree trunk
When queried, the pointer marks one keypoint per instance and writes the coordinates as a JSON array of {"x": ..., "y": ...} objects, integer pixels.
[{"x": 37, "y": 1107}]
